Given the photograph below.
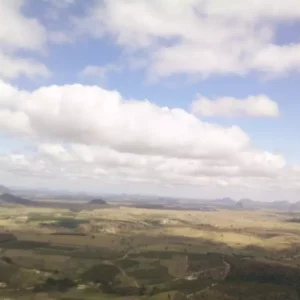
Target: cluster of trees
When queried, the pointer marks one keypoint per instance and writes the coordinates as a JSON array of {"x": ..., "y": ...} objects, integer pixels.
[
  {"x": 52, "y": 284},
  {"x": 254, "y": 271}
]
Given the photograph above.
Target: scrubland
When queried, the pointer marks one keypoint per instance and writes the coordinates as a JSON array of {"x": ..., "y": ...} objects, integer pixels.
[{"x": 129, "y": 253}]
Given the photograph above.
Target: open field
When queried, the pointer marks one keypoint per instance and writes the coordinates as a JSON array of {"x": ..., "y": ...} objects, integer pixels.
[{"x": 133, "y": 253}]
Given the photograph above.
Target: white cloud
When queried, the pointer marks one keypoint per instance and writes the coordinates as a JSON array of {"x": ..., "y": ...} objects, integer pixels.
[
  {"x": 99, "y": 71},
  {"x": 55, "y": 151},
  {"x": 198, "y": 37},
  {"x": 271, "y": 9},
  {"x": 251, "y": 164},
  {"x": 14, "y": 122},
  {"x": 252, "y": 106},
  {"x": 92, "y": 115},
  {"x": 278, "y": 60},
  {"x": 86, "y": 166},
  {"x": 19, "y": 32},
  {"x": 13, "y": 67}
]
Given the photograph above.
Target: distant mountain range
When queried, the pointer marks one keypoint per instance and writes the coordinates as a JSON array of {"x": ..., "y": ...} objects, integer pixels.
[
  {"x": 246, "y": 203},
  {"x": 12, "y": 199},
  {"x": 251, "y": 204},
  {"x": 7, "y": 196},
  {"x": 224, "y": 202}
]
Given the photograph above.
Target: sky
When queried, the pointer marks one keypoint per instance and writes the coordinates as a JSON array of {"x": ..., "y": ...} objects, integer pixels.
[{"x": 194, "y": 98}]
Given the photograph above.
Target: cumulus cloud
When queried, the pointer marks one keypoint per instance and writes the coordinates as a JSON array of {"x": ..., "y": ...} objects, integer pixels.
[
  {"x": 55, "y": 151},
  {"x": 93, "y": 115},
  {"x": 276, "y": 60},
  {"x": 270, "y": 9},
  {"x": 86, "y": 165},
  {"x": 89, "y": 133},
  {"x": 19, "y": 32},
  {"x": 252, "y": 106},
  {"x": 13, "y": 67},
  {"x": 197, "y": 37},
  {"x": 249, "y": 164}
]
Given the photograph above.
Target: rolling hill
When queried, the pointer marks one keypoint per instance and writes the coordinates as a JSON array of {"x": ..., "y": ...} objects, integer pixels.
[
  {"x": 98, "y": 202},
  {"x": 12, "y": 199},
  {"x": 4, "y": 190}
]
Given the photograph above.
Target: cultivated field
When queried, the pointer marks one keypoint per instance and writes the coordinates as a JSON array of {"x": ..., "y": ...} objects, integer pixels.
[{"x": 130, "y": 253}]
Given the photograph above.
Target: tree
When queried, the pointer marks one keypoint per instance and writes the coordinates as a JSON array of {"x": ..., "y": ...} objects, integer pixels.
[{"x": 142, "y": 290}]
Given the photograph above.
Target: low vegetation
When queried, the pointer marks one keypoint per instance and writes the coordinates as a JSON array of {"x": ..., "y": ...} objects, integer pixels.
[{"x": 136, "y": 253}]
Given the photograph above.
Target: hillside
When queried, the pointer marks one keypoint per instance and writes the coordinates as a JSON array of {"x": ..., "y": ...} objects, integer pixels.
[
  {"x": 4, "y": 190},
  {"x": 247, "y": 204},
  {"x": 8, "y": 198},
  {"x": 224, "y": 202},
  {"x": 98, "y": 202},
  {"x": 276, "y": 205},
  {"x": 7, "y": 237},
  {"x": 295, "y": 207},
  {"x": 12, "y": 199}
]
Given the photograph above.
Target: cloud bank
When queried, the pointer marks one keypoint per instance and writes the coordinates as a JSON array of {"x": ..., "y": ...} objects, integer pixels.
[{"x": 82, "y": 131}]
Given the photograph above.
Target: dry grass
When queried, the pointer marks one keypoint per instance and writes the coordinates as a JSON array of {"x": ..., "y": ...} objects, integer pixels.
[{"x": 236, "y": 229}]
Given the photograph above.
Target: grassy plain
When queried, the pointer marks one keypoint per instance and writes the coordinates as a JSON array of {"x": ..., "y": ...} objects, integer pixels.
[{"x": 132, "y": 253}]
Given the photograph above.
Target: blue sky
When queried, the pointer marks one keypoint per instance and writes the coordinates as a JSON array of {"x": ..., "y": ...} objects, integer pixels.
[{"x": 88, "y": 82}]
